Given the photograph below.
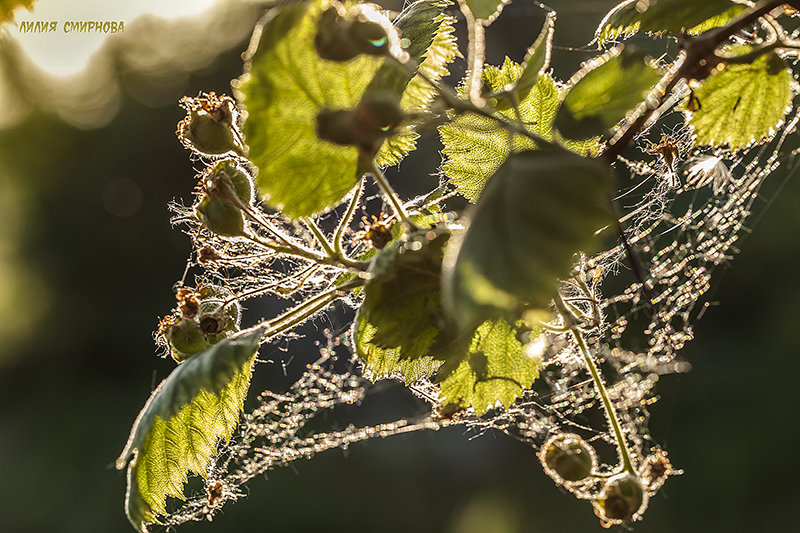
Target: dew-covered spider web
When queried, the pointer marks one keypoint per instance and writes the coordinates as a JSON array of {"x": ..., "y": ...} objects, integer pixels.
[{"x": 682, "y": 216}]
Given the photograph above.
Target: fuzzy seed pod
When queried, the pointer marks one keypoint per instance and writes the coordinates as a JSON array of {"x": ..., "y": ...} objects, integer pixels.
[
  {"x": 186, "y": 339},
  {"x": 211, "y": 126},
  {"x": 240, "y": 180},
  {"x": 220, "y": 217}
]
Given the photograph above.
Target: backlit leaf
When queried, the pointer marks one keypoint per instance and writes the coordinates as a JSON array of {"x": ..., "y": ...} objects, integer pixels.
[
  {"x": 538, "y": 210},
  {"x": 432, "y": 45},
  {"x": 401, "y": 316},
  {"x": 666, "y": 16},
  {"x": 537, "y": 59},
  {"x": 475, "y": 146},
  {"x": 177, "y": 431},
  {"x": 385, "y": 362},
  {"x": 603, "y": 91},
  {"x": 284, "y": 87},
  {"x": 494, "y": 370},
  {"x": 742, "y": 104}
]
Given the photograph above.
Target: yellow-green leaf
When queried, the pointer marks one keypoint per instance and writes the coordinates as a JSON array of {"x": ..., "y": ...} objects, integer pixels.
[
  {"x": 432, "y": 44},
  {"x": 475, "y": 146},
  {"x": 383, "y": 362},
  {"x": 666, "y": 16},
  {"x": 494, "y": 370},
  {"x": 401, "y": 317},
  {"x": 177, "y": 431},
  {"x": 284, "y": 87},
  {"x": 742, "y": 104},
  {"x": 604, "y": 91},
  {"x": 538, "y": 210}
]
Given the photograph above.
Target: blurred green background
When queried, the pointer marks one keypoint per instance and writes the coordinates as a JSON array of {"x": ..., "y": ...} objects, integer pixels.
[{"x": 88, "y": 259}]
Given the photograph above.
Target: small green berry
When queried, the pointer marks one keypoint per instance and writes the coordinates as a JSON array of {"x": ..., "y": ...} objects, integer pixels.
[
  {"x": 211, "y": 126},
  {"x": 568, "y": 457},
  {"x": 220, "y": 217},
  {"x": 240, "y": 180},
  {"x": 186, "y": 339},
  {"x": 622, "y": 497}
]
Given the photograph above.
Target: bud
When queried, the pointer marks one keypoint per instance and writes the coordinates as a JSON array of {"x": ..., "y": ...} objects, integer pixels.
[
  {"x": 656, "y": 469},
  {"x": 365, "y": 126},
  {"x": 220, "y": 217},
  {"x": 378, "y": 232},
  {"x": 363, "y": 29},
  {"x": 211, "y": 126},
  {"x": 622, "y": 498},
  {"x": 567, "y": 457}
]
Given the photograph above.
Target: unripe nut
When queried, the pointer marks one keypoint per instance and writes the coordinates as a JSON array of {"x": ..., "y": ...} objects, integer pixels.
[
  {"x": 212, "y": 323},
  {"x": 568, "y": 457},
  {"x": 365, "y": 126}
]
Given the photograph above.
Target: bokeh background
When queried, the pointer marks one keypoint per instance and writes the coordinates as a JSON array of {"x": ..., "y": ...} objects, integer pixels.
[{"x": 88, "y": 162}]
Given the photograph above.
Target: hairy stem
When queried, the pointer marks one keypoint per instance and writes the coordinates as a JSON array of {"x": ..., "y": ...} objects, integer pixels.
[
  {"x": 320, "y": 237},
  {"x": 608, "y": 407},
  {"x": 348, "y": 216},
  {"x": 390, "y": 194},
  {"x": 320, "y": 259},
  {"x": 476, "y": 54},
  {"x": 301, "y": 313}
]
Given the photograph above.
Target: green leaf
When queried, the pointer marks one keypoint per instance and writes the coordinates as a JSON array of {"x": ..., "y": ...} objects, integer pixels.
[
  {"x": 284, "y": 87},
  {"x": 538, "y": 210},
  {"x": 537, "y": 59},
  {"x": 742, "y": 104},
  {"x": 401, "y": 316},
  {"x": 666, "y": 16},
  {"x": 604, "y": 90},
  {"x": 432, "y": 45},
  {"x": 493, "y": 370},
  {"x": 475, "y": 146},
  {"x": 389, "y": 362},
  {"x": 177, "y": 430},
  {"x": 486, "y": 10}
]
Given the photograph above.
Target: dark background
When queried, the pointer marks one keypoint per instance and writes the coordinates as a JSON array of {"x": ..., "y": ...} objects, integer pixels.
[{"x": 81, "y": 363}]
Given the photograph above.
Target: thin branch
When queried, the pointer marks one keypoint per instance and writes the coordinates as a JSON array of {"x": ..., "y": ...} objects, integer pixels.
[
  {"x": 344, "y": 223},
  {"x": 301, "y": 313},
  {"x": 476, "y": 54},
  {"x": 697, "y": 60},
  {"x": 390, "y": 194}
]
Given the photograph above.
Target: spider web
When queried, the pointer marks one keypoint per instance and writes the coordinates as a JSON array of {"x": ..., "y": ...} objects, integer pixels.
[{"x": 683, "y": 221}]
